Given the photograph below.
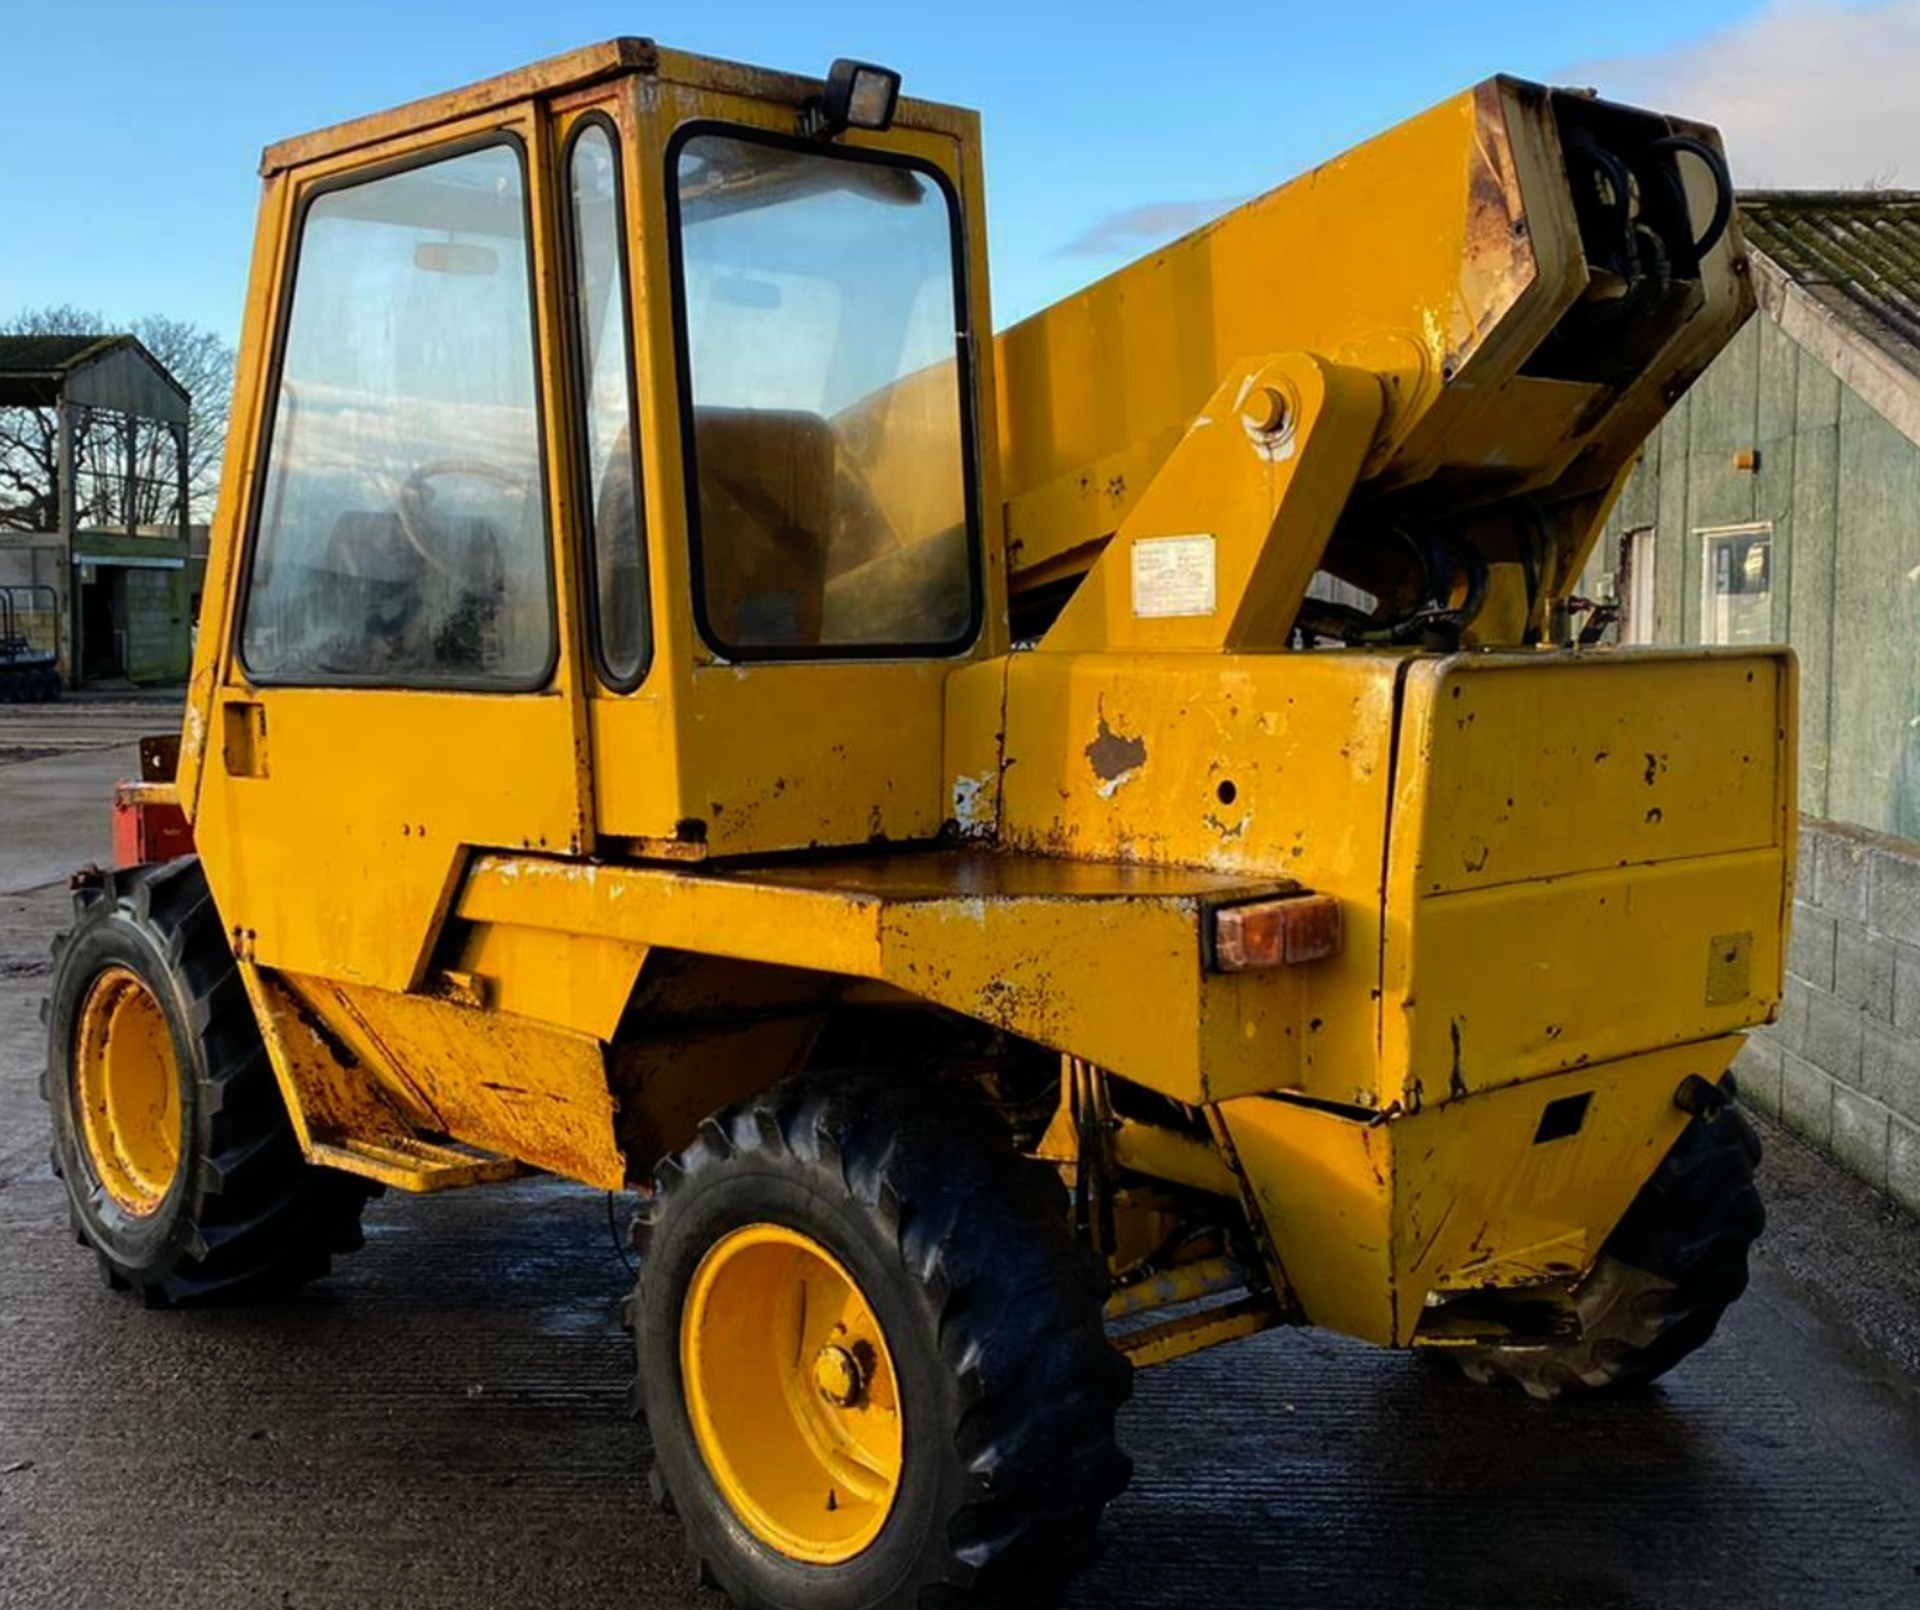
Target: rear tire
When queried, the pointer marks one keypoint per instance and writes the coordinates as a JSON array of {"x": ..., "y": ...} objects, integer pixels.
[
  {"x": 1671, "y": 1268},
  {"x": 988, "y": 1333},
  {"x": 192, "y": 1185}
]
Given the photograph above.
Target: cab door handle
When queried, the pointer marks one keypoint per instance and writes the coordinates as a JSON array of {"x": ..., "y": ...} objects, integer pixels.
[{"x": 243, "y": 738}]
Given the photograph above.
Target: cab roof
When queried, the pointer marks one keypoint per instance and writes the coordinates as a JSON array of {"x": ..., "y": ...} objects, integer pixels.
[{"x": 577, "y": 69}]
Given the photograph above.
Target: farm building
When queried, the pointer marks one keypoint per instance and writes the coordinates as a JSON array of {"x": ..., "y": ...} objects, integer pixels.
[
  {"x": 95, "y": 548},
  {"x": 1780, "y": 502}
]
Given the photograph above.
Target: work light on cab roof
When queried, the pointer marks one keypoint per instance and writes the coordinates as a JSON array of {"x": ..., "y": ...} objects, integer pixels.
[{"x": 858, "y": 95}]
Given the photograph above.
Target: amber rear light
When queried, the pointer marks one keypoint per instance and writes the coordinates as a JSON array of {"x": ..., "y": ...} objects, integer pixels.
[{"x": 1276, "y": 933}]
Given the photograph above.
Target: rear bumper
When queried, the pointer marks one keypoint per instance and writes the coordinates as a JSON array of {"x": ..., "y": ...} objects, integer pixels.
[{"x": 1501, "y": 1189}]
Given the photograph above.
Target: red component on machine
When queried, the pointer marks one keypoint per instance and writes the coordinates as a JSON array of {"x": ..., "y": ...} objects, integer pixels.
[
  {"x": 1276, "y": 933},
  {"x": 148, "y": 824}
]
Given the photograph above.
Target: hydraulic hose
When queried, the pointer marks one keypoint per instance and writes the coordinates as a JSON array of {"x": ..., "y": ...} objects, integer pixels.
[
  {"x": 1722, "y": 182},
  {"x": 1441, "y": 559}
]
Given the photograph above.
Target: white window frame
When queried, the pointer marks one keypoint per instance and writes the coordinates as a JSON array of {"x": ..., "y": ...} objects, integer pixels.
[
  {"x": 1710, "y": 537},
  {"x": 1639, "y": 551}
]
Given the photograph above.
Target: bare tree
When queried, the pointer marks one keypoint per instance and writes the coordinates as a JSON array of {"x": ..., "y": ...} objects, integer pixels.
[
  {"x": 202, "y": 361},
  {"x": 29, "y": 437},
  {"x": 30, "y": 443}
]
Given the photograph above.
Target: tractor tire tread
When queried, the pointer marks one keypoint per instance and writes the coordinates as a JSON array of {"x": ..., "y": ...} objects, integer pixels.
[
  {"x": 1683, "y": 1242},
  {"x": 1015, "y": 1303},
  {"x": 260, "y": 1218}
]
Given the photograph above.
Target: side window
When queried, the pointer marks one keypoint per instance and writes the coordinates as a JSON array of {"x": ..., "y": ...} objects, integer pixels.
[
  {"x": 618, "y": 551},
  {"x": 1736, "y": 584},
  {"x": 823, "y": 332},
  {"x": 401, "y": 538}
]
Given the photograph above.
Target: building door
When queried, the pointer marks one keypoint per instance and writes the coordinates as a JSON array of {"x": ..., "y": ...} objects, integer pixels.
[
  {"x": 1637, "y": 589},
  {"x": 102, "y": 621}
]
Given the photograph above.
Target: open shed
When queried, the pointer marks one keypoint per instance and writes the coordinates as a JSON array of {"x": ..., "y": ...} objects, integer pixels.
[{"x": 95, "y": 548}]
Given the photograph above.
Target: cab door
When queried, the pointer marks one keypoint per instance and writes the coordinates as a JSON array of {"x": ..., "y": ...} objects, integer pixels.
[{"x": 398, "y": 679}]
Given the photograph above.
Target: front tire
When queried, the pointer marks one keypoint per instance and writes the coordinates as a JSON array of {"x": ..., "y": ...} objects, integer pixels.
[
  {"x": 872, "y": 1357},
  {"x": 1676, "y": 1262},
  {"x": 182, "y": 1168}
]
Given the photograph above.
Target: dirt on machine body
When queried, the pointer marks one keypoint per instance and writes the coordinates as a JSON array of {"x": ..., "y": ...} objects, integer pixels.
[{"x": 1031, "y": 855}]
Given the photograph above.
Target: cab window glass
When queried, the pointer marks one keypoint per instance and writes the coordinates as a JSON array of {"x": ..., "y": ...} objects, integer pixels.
[
  {"x": 401, "y": 537},
  {"x": 613, "y": 478},
  {"x": 823, "y": 337}
]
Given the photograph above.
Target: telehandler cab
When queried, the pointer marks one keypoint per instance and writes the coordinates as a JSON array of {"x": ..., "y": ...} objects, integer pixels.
[{"x": 1031, "y": 856}]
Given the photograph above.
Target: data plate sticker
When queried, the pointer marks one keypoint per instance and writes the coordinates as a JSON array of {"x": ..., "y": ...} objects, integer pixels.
[{"x": 1173, "y": 576}]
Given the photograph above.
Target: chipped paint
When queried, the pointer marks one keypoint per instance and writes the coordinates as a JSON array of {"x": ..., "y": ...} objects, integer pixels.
[
  {"x": 1434, "y": 336},
  {"x": 1115, "y": 759},
  {"x": 973, "y": 803},
  {"x": 1229, "y": 831}
]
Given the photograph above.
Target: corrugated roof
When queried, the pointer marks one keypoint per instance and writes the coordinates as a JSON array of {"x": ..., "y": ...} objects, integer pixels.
[
  {"x": 47, "y": 354},
  {"x": 1839, "y": 271},
  {"x": 96, "y": 371},
  {"x": 1855, "y": 252}
]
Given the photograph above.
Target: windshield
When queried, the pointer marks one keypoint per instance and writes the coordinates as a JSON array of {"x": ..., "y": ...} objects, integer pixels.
[{"x": 824, "y": 333}]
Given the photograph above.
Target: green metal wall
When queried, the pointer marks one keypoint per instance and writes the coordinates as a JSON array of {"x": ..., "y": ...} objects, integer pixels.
[
  {"x": 157, "y": 625},
  {"x": 1842, "y": 489},
  {"x": 154, "y": 605}
]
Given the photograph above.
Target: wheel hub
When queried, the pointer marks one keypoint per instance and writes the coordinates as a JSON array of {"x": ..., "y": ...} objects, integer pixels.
[
  {"x": 791, "y": 1393},
  {"x": 837, "y": 1374},
  {"x": 128, "y": 1086}
]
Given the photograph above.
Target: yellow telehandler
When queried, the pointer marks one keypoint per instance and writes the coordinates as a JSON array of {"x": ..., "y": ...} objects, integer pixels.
[{"x": 1030, "y": 856}]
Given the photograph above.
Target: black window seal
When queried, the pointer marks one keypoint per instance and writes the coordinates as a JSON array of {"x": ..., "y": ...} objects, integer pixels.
[
  {"x": 589, "y": 554},
  {"x": 957, "y": 647},
  {"x": 542, "y": 681}
]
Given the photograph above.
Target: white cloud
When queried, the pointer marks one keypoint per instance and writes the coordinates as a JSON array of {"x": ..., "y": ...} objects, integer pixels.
[
  {"x": 1809, "y": 94},
  {"x": 1124, "y": 233}
]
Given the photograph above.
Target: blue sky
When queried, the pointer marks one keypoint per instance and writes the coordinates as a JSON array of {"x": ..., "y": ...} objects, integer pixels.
[{"x": 133, "y": 127}]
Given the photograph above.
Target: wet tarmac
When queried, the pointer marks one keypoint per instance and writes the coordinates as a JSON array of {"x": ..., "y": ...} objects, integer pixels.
[{"x": 443, "y": 1422}]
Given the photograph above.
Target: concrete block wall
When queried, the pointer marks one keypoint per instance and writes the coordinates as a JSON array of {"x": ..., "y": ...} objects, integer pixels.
[{"x": 1842, "y": 1066}]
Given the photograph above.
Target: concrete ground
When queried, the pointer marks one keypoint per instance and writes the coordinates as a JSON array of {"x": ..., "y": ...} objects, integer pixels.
[{"x": 441, "y": 1423}]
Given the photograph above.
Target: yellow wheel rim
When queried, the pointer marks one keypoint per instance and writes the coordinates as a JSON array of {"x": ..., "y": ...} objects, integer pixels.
[
  {"x": 792, "y": 1395},
  {"x": 128, "y": 1085}
]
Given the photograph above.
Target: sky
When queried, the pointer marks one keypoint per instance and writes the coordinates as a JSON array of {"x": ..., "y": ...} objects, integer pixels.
[{"x": 132, "y": 128}]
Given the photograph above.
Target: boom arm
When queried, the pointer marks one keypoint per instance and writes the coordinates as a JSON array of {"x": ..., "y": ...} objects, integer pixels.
[{"x": 1524, "y": 279}]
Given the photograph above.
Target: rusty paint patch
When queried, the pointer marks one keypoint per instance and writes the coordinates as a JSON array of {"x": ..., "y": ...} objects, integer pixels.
[
  {"x": 1114, "y": 757},
  {"x": 322, "y": 1031},
  {"x": 1498, "y": 264}
]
